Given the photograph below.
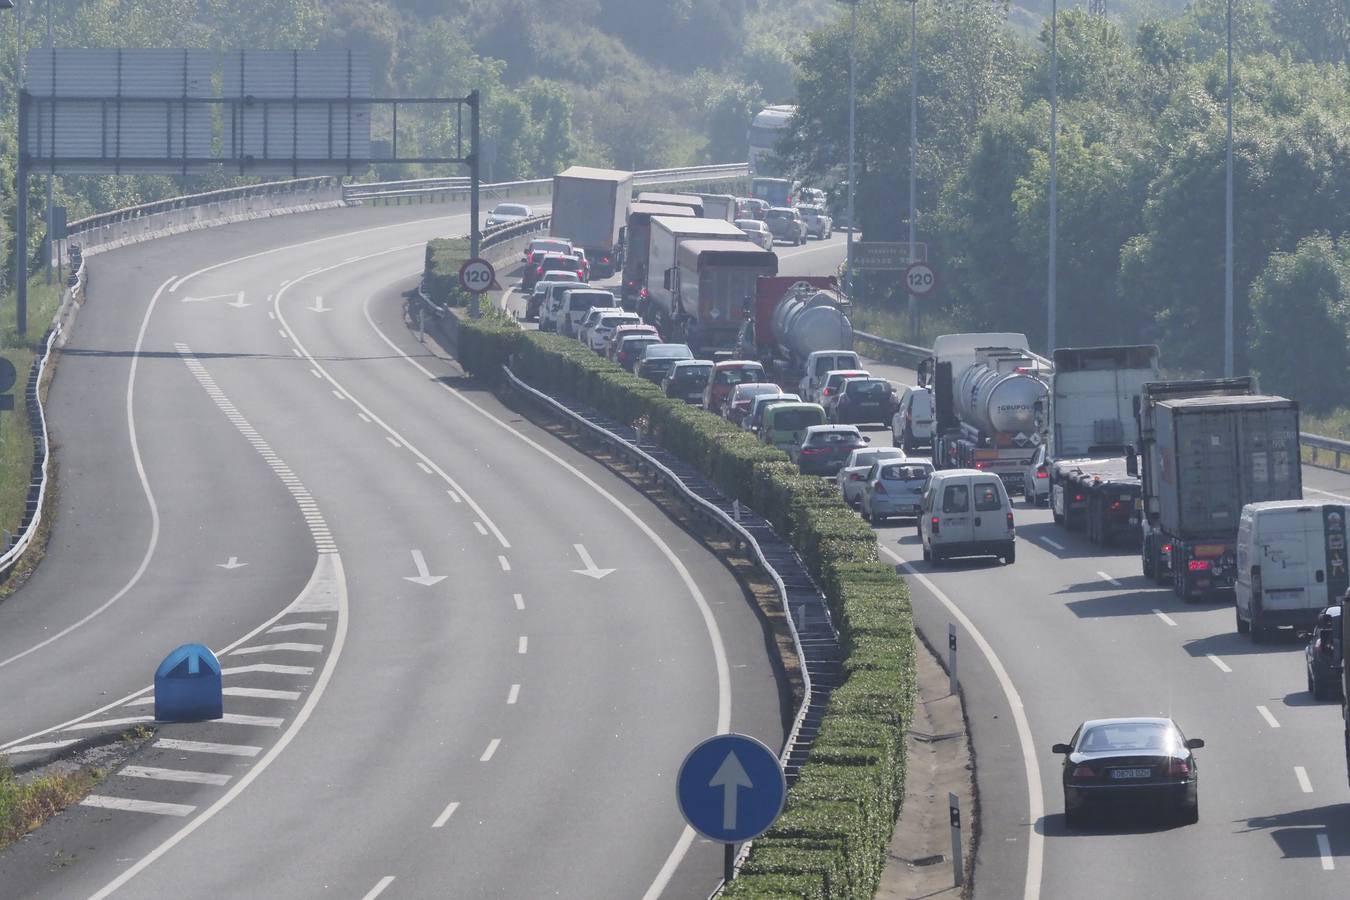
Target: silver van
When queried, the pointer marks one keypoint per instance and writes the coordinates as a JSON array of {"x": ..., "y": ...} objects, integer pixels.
[{"x": 966, "y": 512}]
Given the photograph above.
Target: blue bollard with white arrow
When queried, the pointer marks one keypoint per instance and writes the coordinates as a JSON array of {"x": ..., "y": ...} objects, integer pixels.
[{"x": 731, "y": 788}]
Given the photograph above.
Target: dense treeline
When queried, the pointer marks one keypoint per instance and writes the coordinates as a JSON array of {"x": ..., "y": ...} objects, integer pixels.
[{"x": 1141, "y": 163}]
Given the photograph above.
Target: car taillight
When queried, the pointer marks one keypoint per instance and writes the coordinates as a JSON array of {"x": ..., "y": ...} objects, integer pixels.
[
  {"x": 580, "y": 272},
  {"x": 1178, "y": 768},
  {"x": 604, "y": 259},
  {"x": 812, "y": 451},
  {"x": 879, "y": 489},
  {"x": 826, "y": 392},
  {"x": 1083, "y": 773},
  {"x": 1010, "y": 520},
  {"x": 1041, "y": 473},
  {"x": 937, "y": 527},
  {"x": 1117, "y": 506},
  {"x": 1198, "y": 565},
  {"x": 539, "y": 271},
  {"x": 979, "y": 465},
  {"x": 1077, "y": 498}
]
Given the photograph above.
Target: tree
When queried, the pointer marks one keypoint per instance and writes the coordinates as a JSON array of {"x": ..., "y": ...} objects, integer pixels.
[
  {"x": 728, "y": 106},
  {"x": 1301, "y": 314},
  {"x": 1320, "y": 29}
]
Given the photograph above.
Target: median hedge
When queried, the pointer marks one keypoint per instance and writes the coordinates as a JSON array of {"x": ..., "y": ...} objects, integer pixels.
[
  {"x": 440, "y": 274},
  {"x": 831, "y": 840}
]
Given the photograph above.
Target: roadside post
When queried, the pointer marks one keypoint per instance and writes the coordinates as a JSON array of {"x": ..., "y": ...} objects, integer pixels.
[
  {"x": 958, "y": 863},
  {"x": 7, "y": 378},
  {"x": 730, "y": 789},
  {"x": 952, "y": 681}
]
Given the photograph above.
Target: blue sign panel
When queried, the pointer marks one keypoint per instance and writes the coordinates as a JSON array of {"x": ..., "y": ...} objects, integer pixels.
[
  {"x": 187, "y": 685},
  {"x": 731, "y": 788}
]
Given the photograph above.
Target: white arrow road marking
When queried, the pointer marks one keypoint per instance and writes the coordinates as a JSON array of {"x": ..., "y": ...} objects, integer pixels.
[
  {"x": 730, "y": 776},
  {"x": 239, "y": 302},
  {"x": 234, "y": 563},
  {"x": 318, "y": 305},
  {"x": 591, "y": 569},
  {"x": 238, "y": 296},
  {"x": 423, "y": 576}
]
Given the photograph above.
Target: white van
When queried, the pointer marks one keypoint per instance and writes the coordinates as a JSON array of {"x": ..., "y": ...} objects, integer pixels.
[
  {"x": 818, "y": 365},
  {"x": 912, "y": 423},
  {"x": 1291, "y": 564},
  {"x": 966, "y": 512}
]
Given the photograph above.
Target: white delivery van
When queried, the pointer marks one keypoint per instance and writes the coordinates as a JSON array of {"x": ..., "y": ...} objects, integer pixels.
[
  {"x": 912, "y": 423},
  {"x": 966, "y": 512},
  {"x": 1291, "y": 564},
  {"x": 819, "y": 365}
]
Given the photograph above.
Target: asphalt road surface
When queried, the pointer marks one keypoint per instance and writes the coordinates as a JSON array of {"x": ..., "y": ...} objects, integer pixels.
[{"x": 433, "y": 685}]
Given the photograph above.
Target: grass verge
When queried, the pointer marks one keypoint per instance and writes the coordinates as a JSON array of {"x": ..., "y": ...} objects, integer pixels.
[{"x": 26, "y": 804}]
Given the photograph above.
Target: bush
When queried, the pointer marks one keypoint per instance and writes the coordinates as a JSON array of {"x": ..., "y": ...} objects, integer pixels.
[{"x": 440, "y": 273}]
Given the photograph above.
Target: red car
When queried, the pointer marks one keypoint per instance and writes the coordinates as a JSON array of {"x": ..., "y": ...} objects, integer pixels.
[{"x": 724, "y": 378}]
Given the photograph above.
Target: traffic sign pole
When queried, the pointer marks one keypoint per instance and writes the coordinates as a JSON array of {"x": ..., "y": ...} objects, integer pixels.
[{"x": 728, "y": 863}]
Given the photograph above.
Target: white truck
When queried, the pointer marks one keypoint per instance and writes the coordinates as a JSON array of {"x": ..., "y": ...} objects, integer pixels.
[{"x": 589, "y": 209}]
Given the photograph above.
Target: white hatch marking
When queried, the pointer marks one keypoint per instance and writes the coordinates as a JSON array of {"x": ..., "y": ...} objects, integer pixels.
[
  {"x": 44, "y": 745},
  {"x": 144, "y": 806},
  {"x": 260, "y": 693},
  {"x": 1165, "y": 617},
  {"x": 1106, "y": 577},
  {"x": 1265, "y": 714},
  {"x": 110, "y": 723},
  {"x": 208, "y": 747},
  {"x": 338, "y": 394},
  {"x": 270, "y": 668},
  {"x": 504, "y": 563},
  {"x": 364, "y": 418},
  {"x": 393, "y": 441},
  {"x": 1223, "y": 666},
  {"x": 454, "y": 496},
  {"x": 257, "y": 721},
  {"x": 289, "y": 645},
  {"x": 426, "y": 469},
  {"x": 1327, "y": 494},
  {"x": 491, "y": 749},
  {"x": 481, "y": 529},
  {"x": 1056, "y": 544},
  {"x": 184, "y": 775},
  {"x": 298, "y": 626}
]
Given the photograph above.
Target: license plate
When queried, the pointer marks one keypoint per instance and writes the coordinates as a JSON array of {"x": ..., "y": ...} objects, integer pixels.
[
  {"x": 1134, "y": 521},
  {"x": 869, "y": 405},
  {"x": 1121, "y": 774}
]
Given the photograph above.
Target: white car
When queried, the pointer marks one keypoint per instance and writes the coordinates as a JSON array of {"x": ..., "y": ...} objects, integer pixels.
[
  {"x": 597, "y": 335},
  {"x": 1036, "y": 479},
  {"x": 506, "y": 213},
  {"x": 591, "y": 319},
  {"x": 853, "y": 476},
  {"x": 757, "y": 231},
  {"x": 536, "y": 302},
  {"x": 819, "y": 365},
  {"x": 966, "y": 512},
  {"x": 550, "y": 311},
  {"x": 912, "y": 424}
]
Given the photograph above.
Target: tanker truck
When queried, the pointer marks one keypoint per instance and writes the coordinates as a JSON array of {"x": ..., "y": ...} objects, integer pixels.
[
  {"x": 793, "y": 317},
  {"x": 989, "y": 394}
]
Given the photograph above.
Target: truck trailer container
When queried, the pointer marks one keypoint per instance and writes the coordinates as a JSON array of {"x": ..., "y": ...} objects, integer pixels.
[
  {"x": 794, "y": 316},
  {"x": 636, "y": 242},
  {"x": 703, "y": 294},
  {"x": 589, "y": 207}
]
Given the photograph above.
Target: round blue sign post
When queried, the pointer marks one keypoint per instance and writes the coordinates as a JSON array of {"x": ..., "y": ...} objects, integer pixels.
[{"x": 731, "y": 788}]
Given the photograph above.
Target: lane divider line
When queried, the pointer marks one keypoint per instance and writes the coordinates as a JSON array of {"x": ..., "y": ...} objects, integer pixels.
[
  {"x": 1056, "y": 544},
  {"x": 523, "y": 645},
  {"x": 513, "y": 695},
  {"x": 445, "y": 815},
  {"x": 1265, "y": 714},
  {"x": 1303, "y": 783},
  {"x": 379, "y": 887},
  {"x": 491, "y": 749},
  {"x": 1165, "y": 617},
  {"x": 1223, "y": 666},
  {"x": 1031, "y": 888},
  {"x": 520, "y": 600},
  {"x": 1324, "y": 851},
  {"x": 1108, "y": 578},
  {"x": 504, "y": 563}
]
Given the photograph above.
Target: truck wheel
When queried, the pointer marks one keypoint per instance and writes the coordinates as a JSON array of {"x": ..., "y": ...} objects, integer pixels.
[{"x": 1243, "y": 626}]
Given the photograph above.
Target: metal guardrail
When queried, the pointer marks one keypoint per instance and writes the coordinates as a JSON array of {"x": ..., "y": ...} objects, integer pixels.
[
  {"x": 429, "y": 187},
  {"x": 1337, "y": 448},
  {"x": 266, "y": 189},
  {"x": 814, "y": 637}
]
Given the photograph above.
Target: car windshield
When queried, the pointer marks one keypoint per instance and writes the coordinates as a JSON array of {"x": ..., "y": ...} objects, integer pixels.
[
  {"x": 778, "y": 214},
  {"x": 740, "y": 375},
  {"x": 579, "y": 301},
  {"x": 511, "y": 209},
  {"x": 795, "y": 419},
  {"x": 987, "y": 497},
  {"x": 871, "y": 389},
  {"x": 909, "y": 473},
  {"x": 692, "y": 373},
  {"x": 550, "y": 247},
  {"x": 868, "y": 457},
  {"x": 835, "y": 438},
  {"x": 632, "y": 343},
  {"x": 1128, "y": 736}
]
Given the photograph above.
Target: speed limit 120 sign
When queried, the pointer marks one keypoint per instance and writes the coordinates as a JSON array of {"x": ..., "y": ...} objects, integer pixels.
[
  {"x": 920, "y": 279},
  {"x": 477, "y": 275}
]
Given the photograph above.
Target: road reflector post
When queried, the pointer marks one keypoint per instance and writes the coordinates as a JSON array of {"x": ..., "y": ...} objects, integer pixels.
[
  {"x": 187, "y": 685},
  {"x": 958, "y": 863},
  {"x": 952, "y": 682}
]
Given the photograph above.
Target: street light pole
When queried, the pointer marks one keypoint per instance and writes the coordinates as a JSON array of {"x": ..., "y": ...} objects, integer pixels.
[
  {"x": 852, "y": 128},
  {"x": 1054, "y": 173},
  {"x": 913, "y": 149},
  {"x": 1228, "y": 217}
]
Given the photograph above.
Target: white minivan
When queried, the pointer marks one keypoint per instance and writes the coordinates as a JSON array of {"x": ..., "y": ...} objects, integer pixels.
[
  {"x": 819, "y": 365},
  {"x": 966, "y": 512},
  {"x": 1291, "y": 564},
  {"x": 912, "y": 423}
]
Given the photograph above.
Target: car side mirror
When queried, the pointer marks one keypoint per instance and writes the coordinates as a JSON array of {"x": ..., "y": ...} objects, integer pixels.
[
  {"x": 1061, "y": 748},
  {"x": 1194, "y": 744},
  {"x": 867, "y": 438}
]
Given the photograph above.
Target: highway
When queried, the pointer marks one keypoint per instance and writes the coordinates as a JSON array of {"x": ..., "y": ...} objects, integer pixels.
[
  {"x": 429, "y": 689},
  {"x": 1080, "y": 633}
]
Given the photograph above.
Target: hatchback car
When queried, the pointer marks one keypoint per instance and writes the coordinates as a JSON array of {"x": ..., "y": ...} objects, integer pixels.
[
  {"x": 785, "y": 224},
  {"x": 1143, "y": 759},
  {"x": 824, "y": 448},
  {"x": 753, "y": 207},
  {"x": 864, "y": 401},
  {"x": 738, "y": 405},
  {"x": 816, "y": 221},
  {"x": 760, "y": 404},
  {"x": 833, "y": 384},
  {"x": 1325, "y": 655},
  {"x": 756, "y": 231},
  {"x": 630, "y": 347},
  {"x": 724, "y": 377},
  {"x": 506, "y": 213},
  {"x": 657, "y": 359},
  {"x": 597, "y": 335},
  {"x": 686, "y": 379},
  {"x": 853, "y": 474},
  {"x": 894, "y": 488},
  {"x": 623, "y": 331},
  {"x": 591, "y": 319},
  {"x": 537, "y": 297}
]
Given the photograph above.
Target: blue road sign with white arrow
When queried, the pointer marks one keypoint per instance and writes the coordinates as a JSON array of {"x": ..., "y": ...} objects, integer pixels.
[{"x": 731, "y": 788}]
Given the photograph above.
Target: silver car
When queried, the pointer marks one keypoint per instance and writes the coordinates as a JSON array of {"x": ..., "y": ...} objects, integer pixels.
[
  {"x": 894, "y": 487},
  {"x": 851, "y": 477},
  {"x": 506, "y": 213},
  {"x": 756, "y": 231},
  {"x": 785, "y": 224},
  {"x": 817, "y": 221}
]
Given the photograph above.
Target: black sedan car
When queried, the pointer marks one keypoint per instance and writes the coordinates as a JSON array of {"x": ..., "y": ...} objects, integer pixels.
[
  {"x": 825, "y": 448},
  {"x": 1147, "y": 760},
  {"x": 1324, "y": 656},
  {"x": 865, "y": 400}
]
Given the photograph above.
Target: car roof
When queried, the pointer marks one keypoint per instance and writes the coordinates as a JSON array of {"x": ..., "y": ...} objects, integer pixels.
[
  {"x": 672, "y": 346},
  {"x": 1129, "y": 720},
  {"x": 728, "y": 363},
  {"x": 821, "y": 429},
  {"x": 848, "y": 373},
  {"x": 944, "y": 474},
  {"x": 688, "y": 363}
]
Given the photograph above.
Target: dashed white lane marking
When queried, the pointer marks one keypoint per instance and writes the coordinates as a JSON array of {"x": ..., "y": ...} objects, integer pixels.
[
  {"x": 513, "y": 695},
  {"x": 1265, "y": 714},
  {"x": 271, "y": 315},
  {"x": 481, "y": 529},
  {"x": 393, "y": 442},
  {"x": 298, "y": 626},
  {"x": 1223, "y": 666},
  {"x": 445, "y": 815},
  {"x": 1056, "y": 544},
  {"x": 184, "y": 775},
  {"x": 491, "y": 749},
  {"x": 454, "y": 496},
  {"x": 1324, "y": 851},
  {"x": 256, "y": 721},
  {"x": 523, "y": 645},
  {"x": 315, "y": 373},
  {"x": 426, "y": 469},
  {"x": 338, "y": 394},
  {"x": 268, "y": 648},
  {"x": 1165, "y": 617},
  {"x": 362, "y": 416},
  {"x": 261, "y": 693},
  {"x": 504, "y": 563},
  {"x": 269, "y": 668},
  {"x": 43, "y": 745},
  {"x": 282, "y": 332},
  {"x": 111, "y": 723},
  {"x": 297, "y": 353},
  {"x": 1303, "y": 783},
  {"x": 1106, "y": 577},
  {"x": 520, "y": 600},
  {"x": 143, "y": 806},
  {"x": 208, "y": 747},
  {"x": 379, "y": 887}
]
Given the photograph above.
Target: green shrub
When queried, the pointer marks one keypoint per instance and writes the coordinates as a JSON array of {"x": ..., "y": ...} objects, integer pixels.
[{"x": 440, "y": 273}]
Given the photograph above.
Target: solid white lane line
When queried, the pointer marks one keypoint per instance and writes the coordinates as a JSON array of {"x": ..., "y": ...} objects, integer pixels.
[
  {"x": 184, "y": 775},
  {"x": 520, "y": 601},
  {"x": 491, "y": 749},
  {"x": 1223, "y": 666},
  {"x": 393, "y": 442},
  {"x": 110, "y": 723},
  {"x": 144, "y": 806},
  {"x": 1055, "y": 544},
  {"x": 481, "y": 529},
  {"x": 379, "y": 887},
  {"x": 1303, "y": 783},
  {"x": 1031, "y": 888},
  {"x": 1165, "y": 617},
  {"x": 207, "y": 747},
  {"x": 1106, "y": 577},
  {"x": 269, "y": 648},
  {"x": 145, "y": 489},
  {"x": 1265, "y": 714},
  {"x": 426, "y": 469},
  {"x": 298, "y": 626},
  {"x": 260, "y": 693},
  {"x": 523, "y": 645},
  {"x": 504, "y": 563},
  {"x": 1324, "y": 851},
  {"x": 513, "y": 695},
  {"x": 270, "y": 668},
  {"x": 445, "y": 815}
]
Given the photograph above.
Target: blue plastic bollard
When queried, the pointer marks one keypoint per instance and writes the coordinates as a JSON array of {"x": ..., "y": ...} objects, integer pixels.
[{"x": 187, "y": 685}]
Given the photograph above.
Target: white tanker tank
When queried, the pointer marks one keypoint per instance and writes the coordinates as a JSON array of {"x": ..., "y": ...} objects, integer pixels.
[
  {"x": 811, "y": 319},
  {"x": 993, "y": 400}
]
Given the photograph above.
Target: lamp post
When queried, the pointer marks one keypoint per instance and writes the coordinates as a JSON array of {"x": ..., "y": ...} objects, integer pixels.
[
  {"x": 1054, "y": 174},
  {"x": 1228, "y": 216},
  {"x": 852, "y": 130},
  {"x": 913, "y": 149}
]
